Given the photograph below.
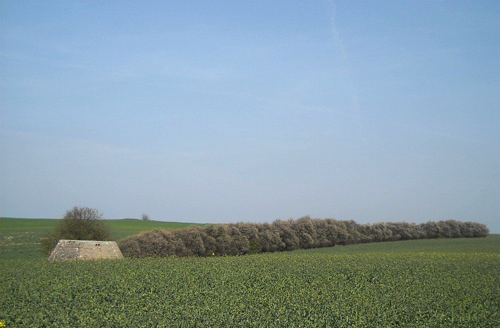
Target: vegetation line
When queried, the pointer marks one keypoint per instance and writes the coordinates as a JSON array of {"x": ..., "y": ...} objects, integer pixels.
[{"x": 304, "y": 233}]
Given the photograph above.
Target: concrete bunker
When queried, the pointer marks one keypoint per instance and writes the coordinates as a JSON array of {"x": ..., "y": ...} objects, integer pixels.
[{"x": 85, "y": 250}]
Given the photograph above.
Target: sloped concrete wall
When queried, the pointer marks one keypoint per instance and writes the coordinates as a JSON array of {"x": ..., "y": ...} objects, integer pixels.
[{"x": 85, "y": 250}]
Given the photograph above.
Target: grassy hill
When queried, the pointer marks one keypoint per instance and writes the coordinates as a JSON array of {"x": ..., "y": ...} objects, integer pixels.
[
  {"x": 490, "y": 245},
  {"x": 20, "y": 238}
]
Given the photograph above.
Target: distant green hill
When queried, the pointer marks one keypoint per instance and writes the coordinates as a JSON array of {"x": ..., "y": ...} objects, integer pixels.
[{"x": 20, "y": 238}]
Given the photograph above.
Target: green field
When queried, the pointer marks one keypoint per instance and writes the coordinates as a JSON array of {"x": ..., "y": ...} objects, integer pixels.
[
  {"x": 20, "y": 238},
  {"x": 420, "y": 283}
]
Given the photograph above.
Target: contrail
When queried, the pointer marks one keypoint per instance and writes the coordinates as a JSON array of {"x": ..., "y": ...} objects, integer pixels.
[
  {"x": 353, "y": 94},
  {"x": 336, "y": 35}
]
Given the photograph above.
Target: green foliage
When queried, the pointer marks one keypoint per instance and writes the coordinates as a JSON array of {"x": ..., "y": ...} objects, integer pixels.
[
  {"x": 304, "y": 233},
  {"x": 79, "y": 223},
  {"x": 254, "y": 246},
  {"x": 420, "y": 283}
]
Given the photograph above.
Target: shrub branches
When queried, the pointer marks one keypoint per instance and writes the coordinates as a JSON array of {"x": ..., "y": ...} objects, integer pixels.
[
  {"x": 79, "y": 223},
  {"x": 286, "y": 235}
]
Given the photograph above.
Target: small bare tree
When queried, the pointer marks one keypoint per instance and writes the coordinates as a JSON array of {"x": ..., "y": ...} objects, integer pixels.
[
  {"x": 80, "y": 223},
  {"x": 145, "y": 217}
]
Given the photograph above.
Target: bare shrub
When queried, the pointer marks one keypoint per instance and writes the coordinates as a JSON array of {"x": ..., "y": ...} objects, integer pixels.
[
  {"x": 79, "y": 223},
  {"x": 288, "y": 236},
  {"x": 306, "y": 232},
  {"x": 269, "y": 238},
  {"x": 193, "y": 239},
  {"x": 431, "y": 230},
  {"x": 130, "y": 247},
  {"x": 210, "y": 239}
]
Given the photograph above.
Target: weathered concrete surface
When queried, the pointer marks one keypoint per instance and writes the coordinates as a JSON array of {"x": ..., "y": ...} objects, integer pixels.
[{"x": 85, "y": 250}]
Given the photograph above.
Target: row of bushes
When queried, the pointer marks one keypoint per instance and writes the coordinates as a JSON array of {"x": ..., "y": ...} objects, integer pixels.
[{"x": 248, "y": 238}]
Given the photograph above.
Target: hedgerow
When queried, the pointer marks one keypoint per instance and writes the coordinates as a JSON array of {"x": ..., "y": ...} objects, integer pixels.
[{"x": 286, "y": 235}]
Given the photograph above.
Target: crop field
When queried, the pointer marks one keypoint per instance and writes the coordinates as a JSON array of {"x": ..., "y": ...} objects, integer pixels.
[
  {"x": 20, "y": 238},
  {"x": 421, "y": 283}
]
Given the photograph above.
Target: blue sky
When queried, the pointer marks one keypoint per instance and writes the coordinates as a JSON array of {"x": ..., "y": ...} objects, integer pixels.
[{"x": 251, "y": 111}]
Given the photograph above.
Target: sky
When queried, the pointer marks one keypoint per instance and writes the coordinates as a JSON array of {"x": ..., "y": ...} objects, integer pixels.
[{"x": 227, "y": 111}]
